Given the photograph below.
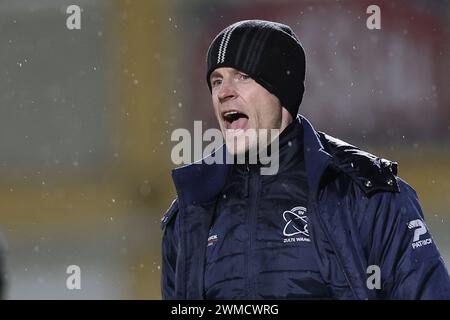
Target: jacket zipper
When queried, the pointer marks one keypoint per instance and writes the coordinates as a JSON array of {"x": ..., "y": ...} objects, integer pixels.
[
  {"x": 253, "y": 186},
  {"x": 246, "y": 182}
]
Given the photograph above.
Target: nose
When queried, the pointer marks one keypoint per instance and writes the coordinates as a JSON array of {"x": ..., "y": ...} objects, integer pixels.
[{"x": 227, "y": 90}]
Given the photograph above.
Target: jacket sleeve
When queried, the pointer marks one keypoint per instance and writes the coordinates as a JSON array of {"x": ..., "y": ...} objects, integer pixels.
[
  {"x": 169, "y": 251},
  {"x": 410, "y": 262}
]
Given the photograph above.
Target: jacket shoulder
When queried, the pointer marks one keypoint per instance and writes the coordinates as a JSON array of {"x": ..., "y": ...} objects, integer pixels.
[
  {"x": 169, "y": 214},
  {"x": 370, "y": 172}
]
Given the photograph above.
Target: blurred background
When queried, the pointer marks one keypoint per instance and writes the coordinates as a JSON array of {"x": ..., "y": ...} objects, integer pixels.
[{"x": 86, "y": 117}]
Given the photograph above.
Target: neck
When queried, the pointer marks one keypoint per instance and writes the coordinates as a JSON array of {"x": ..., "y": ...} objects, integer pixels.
[{"x": 286, "y": 119}]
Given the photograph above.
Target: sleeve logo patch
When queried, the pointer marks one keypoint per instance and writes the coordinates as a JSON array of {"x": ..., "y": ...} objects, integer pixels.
[{"x": 420, "y": 229}]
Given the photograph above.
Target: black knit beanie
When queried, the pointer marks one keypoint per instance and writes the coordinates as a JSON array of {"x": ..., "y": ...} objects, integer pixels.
[{"x": 267, "y": 51}]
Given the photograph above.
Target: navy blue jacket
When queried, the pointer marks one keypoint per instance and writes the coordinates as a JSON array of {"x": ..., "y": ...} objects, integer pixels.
[{"x": 360, "y": 215}]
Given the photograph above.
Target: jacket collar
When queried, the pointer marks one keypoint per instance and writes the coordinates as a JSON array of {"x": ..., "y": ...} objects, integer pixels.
[
  {"x": 316, "y": 158},
  {"x": 201, "y": 181}
]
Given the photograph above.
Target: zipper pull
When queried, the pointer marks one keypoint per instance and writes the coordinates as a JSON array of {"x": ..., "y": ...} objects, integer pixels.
[{"x": 247, "y": 178}]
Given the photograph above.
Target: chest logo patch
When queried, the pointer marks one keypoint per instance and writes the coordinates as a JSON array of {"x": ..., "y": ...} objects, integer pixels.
[{"x": 296, "y": 225}]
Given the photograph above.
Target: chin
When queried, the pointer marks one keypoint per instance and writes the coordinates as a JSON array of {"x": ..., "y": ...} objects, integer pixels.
[
  {"x": 236, "y": 149},
  {"x": 239, "y": 144}
]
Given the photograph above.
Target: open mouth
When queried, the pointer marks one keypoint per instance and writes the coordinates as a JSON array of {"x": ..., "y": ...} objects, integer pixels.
[{"x": 235, "y": 120}]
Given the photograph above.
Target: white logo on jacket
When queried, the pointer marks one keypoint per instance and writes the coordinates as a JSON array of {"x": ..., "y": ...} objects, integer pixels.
[
  {"x": 419, "y": 230},
  {"x": 212, "y": 240},
  {"x": 296, "y": 227}
]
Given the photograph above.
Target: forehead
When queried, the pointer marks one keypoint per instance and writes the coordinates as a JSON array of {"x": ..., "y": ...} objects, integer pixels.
[{"x": 222, "y": 71}]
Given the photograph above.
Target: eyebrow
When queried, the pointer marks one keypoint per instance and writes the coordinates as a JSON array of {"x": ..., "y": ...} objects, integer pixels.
[{"x": 214, "y": 74}]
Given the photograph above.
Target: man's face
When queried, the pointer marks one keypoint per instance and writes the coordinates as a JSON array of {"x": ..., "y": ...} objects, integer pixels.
[{"x": 240, "y": 104}]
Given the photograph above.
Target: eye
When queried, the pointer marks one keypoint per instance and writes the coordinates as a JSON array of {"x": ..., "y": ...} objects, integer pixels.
[
  {"x": 243, "y": 76},
  {"x": 216, "y": 82}
]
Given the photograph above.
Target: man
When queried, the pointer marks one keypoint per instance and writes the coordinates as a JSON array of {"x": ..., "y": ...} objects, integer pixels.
[{"x": 334, "y": 222}]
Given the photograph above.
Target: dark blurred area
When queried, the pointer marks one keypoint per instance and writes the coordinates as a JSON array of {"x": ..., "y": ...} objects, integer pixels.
[{"x": 86, "y": 118}]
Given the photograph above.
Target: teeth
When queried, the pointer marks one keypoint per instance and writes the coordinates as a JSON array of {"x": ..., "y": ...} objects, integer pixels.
[{"x": 229, "y": 113}]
